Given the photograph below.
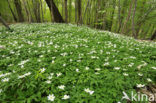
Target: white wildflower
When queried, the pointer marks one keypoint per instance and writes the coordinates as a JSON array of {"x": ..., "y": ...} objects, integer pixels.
[
  {"x": 42, "y": 70},
  {"x": 53, "y": 62},
  {"x": 51, "y": 74},
  {"x": 125, "y": 74},
  {"x": 140, "y": 74},
  {"x": 97, "y": 69},
  {"x": 154, "y": 68},
  {"x": 70, "y": 60},
  {"x": 50, "y": 77},
  {"x": 117, "y": 68},
  {"x": 53, "y": 57},
  {"x": 140, "y": 85},
  {"x": 22, "y": 76},
  {"x": 87, "y": 68},
  {"x": 89, "y": 91},
  {"x": 3, "y": 75},
  {"x": 51, "y": 97},
  {"x": 61, "y": 87},
  {"x": 64, "y": 65},
  {"x": 59, "y": 74},
  {"x": 1, "y": 90},
  {"x": 23, "y": 62},
  {"x": 106, "y": 64},
  {"x": 97, "y": 73},
  {"x": 39, "y": 60},
  {"x": 22, "y": 66},
  {"x": 108, "y": 53},
  {"x": 66, "y": 97},
  {"x": 5, "y": 80},
  {"x": 149, "y": 80},
  {"x": 77, "y": 70},
  {"x": 131, "y": 64},
  {"x": 139, "y": 66},
  {"x": 93, "y": 57},
  {"x": 41, "y": 56},
  {"x": 132, "y": 57},
  {"x": 48, "y": 81}
]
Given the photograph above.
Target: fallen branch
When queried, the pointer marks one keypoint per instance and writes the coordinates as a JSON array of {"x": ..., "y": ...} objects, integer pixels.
[{"x": 4, "y": 23}]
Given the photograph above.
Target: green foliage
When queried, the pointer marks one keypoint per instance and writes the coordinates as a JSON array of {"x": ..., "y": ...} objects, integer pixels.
[{"x": 40, "y": 57}]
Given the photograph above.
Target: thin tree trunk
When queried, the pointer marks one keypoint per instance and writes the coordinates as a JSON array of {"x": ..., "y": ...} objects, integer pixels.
[
  {"x": 112, "y": 17},
  {"x": 79, "y": 12},
  {"x": 70, "y": 10},
  {"x": 55, "y": 12},
  {"x": 38, "y": 12},
  {"x": 66, "y": 11},
  {"x": 42, "y": 10},
  {"x": 129, "y": 14},
  {"x": 4, "y": 23},
  {"x": 36, "y": 9},
  {"x": 141, "y": 13},
  {"x": 19, "y": 10},
  {"x": 123, "y": 12},
  {"x": 96, "y": 14},
  {"x": 76, "y": 11},
  {"x": 31, "y": 17},
  {"x": 14, "y": 16},
  {"x": 51, "y": 11},
  {"x": 86, "y": 10},
  {"x": 89, "y": 14},
  {"x": 26, "y": 10},
  {"x": 104, "y": 16},
  {"x": 153, "y": 36},
  {"x": 133, "y": 24},
  {"x": 119, "y": 16},
  {"x": 63, "y": 9}
]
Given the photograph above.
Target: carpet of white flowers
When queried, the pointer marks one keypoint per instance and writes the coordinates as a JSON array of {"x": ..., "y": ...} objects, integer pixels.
[{"x": 60, "y": 63}]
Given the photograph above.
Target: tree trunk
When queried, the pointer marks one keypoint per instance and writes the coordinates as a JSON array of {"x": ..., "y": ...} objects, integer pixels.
[
  {"x": 63, "y": 9},
  {"x": 29, "y": 10},
  {"x": 70, "y": 10},
  {"x": 112, "y": 16},
  {"x": 42, "y": 10},
  {"x": 55, "y": 12},
  {"x": 123, "y": 12},
  {"x": 19, "y": 10},
  {"x": 153, "y": 36},
  {"x": 26, "y": 10},
  {"x": 98, "y": 15},
  {"x": 66, "y": 11},
  {"x": 129, "y": 14},
  {"x": 4, "y": 23},
  {"x": 36, "y": 9},
  {"x": 86, "y": 10},
  {"x": 133, "y": 24},
  {"x": 89, "y": 14},
  {"x": 76, "y": 11},
  {"x": 119, "y": 16},
  {"x": 14, "y": 16},
  {"x": 79, "y": 12},
  {"x": 143, "y": 18}
]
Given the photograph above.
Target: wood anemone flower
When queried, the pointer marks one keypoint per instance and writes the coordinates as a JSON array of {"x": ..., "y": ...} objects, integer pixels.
[{"x": 1, "y": 47}]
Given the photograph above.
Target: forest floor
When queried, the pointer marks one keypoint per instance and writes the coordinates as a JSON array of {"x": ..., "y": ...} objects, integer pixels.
[{"x": 69, "y": 64}]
